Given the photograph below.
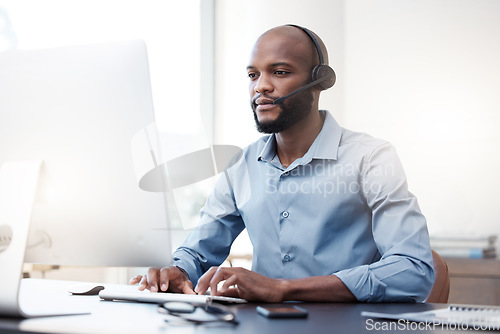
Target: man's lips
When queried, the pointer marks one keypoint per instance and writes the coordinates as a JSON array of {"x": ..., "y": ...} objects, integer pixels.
[{"x": 263, "y": 103}]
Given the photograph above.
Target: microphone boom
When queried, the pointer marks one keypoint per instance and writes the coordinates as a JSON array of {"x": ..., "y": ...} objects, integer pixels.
[{"x": 309, "y": 85}]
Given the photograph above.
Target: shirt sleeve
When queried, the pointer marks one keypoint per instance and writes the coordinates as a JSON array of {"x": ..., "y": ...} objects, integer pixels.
[
  {"x": 405, "y": 270},
  {"x": 209, "y": 243}
]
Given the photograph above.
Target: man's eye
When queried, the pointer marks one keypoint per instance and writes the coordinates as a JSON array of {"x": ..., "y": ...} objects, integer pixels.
[
  {"x": 252, "y": 75},
  {"x": 278, "y": 72}
]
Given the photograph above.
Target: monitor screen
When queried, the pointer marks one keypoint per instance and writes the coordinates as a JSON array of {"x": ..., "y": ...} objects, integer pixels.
[{"x": 86, "y": 112}]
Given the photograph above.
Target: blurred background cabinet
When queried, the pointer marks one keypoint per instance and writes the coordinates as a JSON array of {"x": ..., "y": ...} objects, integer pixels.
[{"x": 474, "y": 281}]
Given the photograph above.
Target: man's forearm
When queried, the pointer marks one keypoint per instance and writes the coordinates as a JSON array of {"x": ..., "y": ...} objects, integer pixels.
[{"x": 317, "y": 289}]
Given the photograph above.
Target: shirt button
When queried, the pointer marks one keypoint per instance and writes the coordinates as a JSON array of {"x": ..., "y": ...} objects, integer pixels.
[
  {"x": 286, "y": 258},
  {"x": 286, "y": 173},
  {"x": 285, "y": 214}
]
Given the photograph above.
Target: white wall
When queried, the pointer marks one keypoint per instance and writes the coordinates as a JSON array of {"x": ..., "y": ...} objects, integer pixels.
[
  {"x": 426, "y": 76},
  {"x": 422, "y": 74}
]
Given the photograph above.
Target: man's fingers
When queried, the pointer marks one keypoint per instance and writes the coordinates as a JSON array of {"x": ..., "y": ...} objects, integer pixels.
[
  {"x": 204, "y": 281},
  {"x": 187, "y": 288},
  {"x": 135, "y": 280},
  {"x": 228, "y": 283},
  {"x": 143, "y": 283},
  {"x": 152, "y": 279},
  {"x": 164, "y": 279},
  {"x": 232, "y": 292},
  {"x": 220, "y": 275}
]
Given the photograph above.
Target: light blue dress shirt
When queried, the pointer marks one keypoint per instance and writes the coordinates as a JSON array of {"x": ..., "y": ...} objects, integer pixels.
[{"x": 343, "y": 209}]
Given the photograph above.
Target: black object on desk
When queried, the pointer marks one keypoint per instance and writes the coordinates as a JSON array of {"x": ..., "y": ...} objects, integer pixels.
[{"x": 282, "y": 311}]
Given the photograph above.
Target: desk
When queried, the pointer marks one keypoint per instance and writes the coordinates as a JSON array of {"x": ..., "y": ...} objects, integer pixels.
[{"x": 124, "y": 317}]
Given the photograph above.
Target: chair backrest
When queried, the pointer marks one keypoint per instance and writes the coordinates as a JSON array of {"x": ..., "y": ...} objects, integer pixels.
[{"x": 441, "y": 288}]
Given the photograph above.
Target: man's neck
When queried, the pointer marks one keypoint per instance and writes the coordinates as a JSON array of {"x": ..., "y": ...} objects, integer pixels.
[{"x": 294, "y": 142}]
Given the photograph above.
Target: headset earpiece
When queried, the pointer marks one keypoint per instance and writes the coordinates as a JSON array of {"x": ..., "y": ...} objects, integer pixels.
[{"x": 326, "y": 72}]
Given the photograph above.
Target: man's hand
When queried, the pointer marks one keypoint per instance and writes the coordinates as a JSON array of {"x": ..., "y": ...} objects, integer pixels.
[
  {"x": 164, "y": 279},
  {"x": 241, "y": 283}
]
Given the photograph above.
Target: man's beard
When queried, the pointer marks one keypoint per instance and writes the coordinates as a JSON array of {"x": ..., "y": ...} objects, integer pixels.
[{"x": 293, "y": 110}]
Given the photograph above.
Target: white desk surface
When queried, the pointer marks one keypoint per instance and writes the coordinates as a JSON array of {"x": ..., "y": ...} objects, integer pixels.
[{"x": 105, "y": 316}]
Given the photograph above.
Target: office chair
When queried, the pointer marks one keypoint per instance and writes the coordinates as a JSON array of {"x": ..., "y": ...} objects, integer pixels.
[{"x": 441, "y": 288}]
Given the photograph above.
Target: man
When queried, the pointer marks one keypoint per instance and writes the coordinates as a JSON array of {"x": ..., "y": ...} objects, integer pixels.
[{"x": 327, "y": 209}]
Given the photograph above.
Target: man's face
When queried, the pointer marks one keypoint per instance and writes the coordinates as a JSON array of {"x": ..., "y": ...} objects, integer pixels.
[{"x": 279, "y": 65}]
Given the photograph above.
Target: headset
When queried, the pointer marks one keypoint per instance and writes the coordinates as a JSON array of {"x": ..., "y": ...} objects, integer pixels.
[{"x": 322, "y": 75}]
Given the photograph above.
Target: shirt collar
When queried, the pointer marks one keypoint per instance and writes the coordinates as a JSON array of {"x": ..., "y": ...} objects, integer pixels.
[
  {"x": 325, "y": 146},
  {"x": 269, "y": 151}
]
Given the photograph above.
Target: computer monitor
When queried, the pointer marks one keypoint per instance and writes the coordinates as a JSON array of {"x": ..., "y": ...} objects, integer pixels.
[{"x": 86, "y": 112}]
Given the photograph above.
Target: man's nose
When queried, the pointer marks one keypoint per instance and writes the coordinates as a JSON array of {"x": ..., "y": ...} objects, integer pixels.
[{"x": 263, "y": 84}]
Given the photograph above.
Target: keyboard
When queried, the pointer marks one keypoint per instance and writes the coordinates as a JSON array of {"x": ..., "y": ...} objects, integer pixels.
[{"x": 146, "y": 296}]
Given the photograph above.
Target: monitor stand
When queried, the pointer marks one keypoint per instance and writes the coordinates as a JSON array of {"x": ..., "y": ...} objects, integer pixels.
[{"x": 18, "y": 184}]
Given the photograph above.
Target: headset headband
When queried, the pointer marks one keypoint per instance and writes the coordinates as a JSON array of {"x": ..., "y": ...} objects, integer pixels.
[{"x": 314, "y": 40}]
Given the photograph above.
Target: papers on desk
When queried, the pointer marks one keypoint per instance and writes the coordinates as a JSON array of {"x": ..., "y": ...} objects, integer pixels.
[{"x": 453, "y": 317}]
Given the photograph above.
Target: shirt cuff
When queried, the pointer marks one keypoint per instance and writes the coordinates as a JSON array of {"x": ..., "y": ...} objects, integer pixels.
[{"x": 365, "y": 287}]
